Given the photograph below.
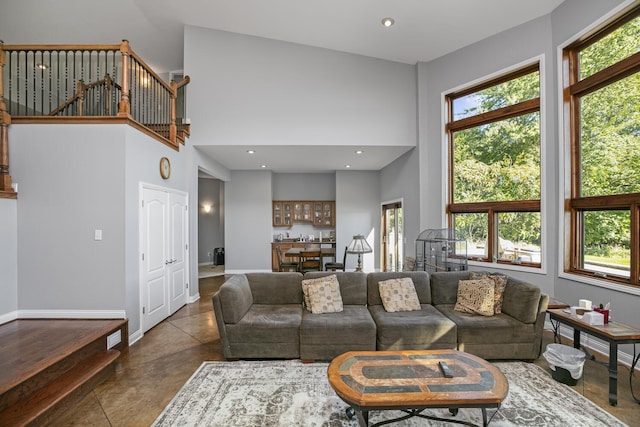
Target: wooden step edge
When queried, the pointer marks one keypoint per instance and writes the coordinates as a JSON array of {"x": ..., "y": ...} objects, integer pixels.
[{"x": 40, "y": 406}]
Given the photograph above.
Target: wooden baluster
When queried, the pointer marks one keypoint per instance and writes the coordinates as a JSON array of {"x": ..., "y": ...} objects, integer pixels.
[
  {"x": 80, "y": 94},
  {"x": 124, "y": 109},
  {"x": 5, "y": 121},
  {"x": 173, "y": 129}
]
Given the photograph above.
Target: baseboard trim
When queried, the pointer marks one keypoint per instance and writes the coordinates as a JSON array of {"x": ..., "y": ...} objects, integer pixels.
[
  {"x": 72, "y": 314},
  {"x": 193, "y": 298},
  {"x": 135, "y": 337},
  {"x": 8, "y": 317},
  {"x": 594, "y": 345}
]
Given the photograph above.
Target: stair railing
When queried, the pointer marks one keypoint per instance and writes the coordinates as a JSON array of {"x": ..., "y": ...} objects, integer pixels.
[{"x": 45, "y": 83}]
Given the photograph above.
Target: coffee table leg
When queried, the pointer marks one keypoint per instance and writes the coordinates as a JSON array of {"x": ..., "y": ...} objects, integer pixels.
[
  {"x": 363, "y": 416},
  {"x": 613, "y": 373}
]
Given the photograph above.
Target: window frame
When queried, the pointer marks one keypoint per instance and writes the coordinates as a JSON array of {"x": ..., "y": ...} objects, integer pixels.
[
  {"x": 493, "y": 208},
  {"x": 573, "y": 89}
]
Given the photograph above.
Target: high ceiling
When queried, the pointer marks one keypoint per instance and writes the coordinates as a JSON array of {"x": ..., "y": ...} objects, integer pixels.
[{"x": 423, "y": 30}]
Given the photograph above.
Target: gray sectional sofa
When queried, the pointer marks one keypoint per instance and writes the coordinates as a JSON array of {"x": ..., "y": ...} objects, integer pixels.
[{"x": 261, "y": 315}]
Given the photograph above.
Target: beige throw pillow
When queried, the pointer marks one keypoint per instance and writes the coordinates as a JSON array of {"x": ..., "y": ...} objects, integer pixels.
[
  {"x": 322, "y": 295},
  {"x": 500, "y": 282},
  {"x": 399, "y": 295},
  {"x": 475, "y": 296}
]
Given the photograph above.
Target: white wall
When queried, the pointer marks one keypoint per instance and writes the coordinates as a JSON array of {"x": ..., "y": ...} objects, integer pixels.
[
  {"x": 8, "y": 259},
  {"x": 250, "y": 90}
]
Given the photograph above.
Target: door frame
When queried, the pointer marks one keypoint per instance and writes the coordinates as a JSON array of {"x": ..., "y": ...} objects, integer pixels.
[
  {"x": 383, "y": 233},
  {"x": 141, "y": 187}
]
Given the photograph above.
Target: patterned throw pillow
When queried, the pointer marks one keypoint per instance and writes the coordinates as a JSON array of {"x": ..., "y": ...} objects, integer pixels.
[
  {"x": 475, "y": 296},
  {"x": 500, "y": 282},
  {"x": 399, "y": 295},
  {"x": 322, "y": 295}
]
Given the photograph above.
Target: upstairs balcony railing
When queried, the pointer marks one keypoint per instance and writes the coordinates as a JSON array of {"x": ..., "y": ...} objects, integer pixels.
[{"x": 84, "y": 83}]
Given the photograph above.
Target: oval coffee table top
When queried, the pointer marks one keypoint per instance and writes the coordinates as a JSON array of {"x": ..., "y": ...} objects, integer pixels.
[{"x": 413, "y": 379}]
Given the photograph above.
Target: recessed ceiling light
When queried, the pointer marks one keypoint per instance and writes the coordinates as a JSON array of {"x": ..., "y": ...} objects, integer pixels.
[
  {"x": 251, "y": 151},
  {"x": 388, "y": 22},
  {"x": 347, "y": 166},
  {"x": 359, "y": 151},
  {"x": 263, "y": 166}
]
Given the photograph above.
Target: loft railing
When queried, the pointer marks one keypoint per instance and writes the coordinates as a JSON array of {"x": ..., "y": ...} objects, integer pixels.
[{"x": 60, "y": 83}]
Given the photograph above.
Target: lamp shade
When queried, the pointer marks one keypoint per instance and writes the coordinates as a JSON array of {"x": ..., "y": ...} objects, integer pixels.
[{"x": 359, "y": 245}]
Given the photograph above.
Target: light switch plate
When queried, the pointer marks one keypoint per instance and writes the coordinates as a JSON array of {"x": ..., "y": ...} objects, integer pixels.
[{"x": 97, "y": 235}]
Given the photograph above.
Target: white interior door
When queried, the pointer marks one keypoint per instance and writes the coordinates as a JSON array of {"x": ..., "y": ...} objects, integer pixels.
[
  {"x": 178, "y": 247},
  {"x": 154, "y": 225},
  {"x": 164, "y": 258}
]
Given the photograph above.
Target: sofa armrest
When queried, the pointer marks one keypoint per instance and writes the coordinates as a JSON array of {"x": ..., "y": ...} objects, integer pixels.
[
  {"x": 521, "y": 300},
  {"x": 235, "y": 299}
]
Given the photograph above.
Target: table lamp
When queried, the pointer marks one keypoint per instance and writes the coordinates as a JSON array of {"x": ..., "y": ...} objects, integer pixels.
[{"x": 359, "y": 246}]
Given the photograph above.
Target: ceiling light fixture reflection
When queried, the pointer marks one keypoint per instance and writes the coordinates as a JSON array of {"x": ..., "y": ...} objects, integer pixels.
[
  {"x": 251, "y": 151},
  {"x": 263, "y": 166},
  {"x": 388, "y": 22},
  {"x": 359, "y": 151},
  {"x": 347, "y": 166}
]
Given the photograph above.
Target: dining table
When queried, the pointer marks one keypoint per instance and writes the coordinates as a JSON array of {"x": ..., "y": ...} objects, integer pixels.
[{"x": 325, "y": 252}]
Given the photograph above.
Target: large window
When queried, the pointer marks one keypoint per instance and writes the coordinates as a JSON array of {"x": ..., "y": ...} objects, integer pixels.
[
  {"x": 602, "y": 124},
  {"x": 493, "y": 131}
]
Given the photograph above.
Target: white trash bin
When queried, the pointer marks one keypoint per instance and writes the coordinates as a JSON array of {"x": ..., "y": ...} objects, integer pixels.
[{"x": 566, "y": 363}]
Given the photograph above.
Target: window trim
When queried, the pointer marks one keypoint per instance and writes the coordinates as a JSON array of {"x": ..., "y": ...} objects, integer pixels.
[
  {"x": 536, "y": 63},
  {"x": 571, "y": 90}
]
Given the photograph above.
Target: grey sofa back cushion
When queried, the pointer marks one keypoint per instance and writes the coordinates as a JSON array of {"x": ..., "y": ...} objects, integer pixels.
[
  {"x": 353, "y": 285},
  {"x": 235, "y": 298},
  {"x": 444, "y": 286},
  {"x": 276, "y": 288},
  {"x": 420, "y": 281},
  {"x": 521, "y": 300}
]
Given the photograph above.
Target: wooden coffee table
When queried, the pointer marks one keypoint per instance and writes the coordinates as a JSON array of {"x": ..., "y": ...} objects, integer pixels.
[{"x": 411, "y": 381}]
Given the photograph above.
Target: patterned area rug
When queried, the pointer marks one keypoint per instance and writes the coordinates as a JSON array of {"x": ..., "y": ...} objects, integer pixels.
[{"x": 290, "y": 393}]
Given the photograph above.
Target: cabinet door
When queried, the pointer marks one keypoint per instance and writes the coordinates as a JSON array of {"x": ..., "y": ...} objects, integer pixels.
[
  {"x": 328, "y": 213},
  {"x": 278, "y": 218},
  {"x": 288, "y": 215},
  {"x": 318, "y": 216},
  {"x": 306, "y": 212}
]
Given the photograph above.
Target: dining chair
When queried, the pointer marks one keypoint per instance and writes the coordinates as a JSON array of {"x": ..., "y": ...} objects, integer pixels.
[
  {"x": 310, "y": 260},
  {"x": 333, "y": 266},
  {"x": 285, "y": 265}
]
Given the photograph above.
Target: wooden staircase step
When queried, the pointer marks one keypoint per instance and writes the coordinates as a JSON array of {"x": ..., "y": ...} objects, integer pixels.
[{"x": 43, "y": 405}]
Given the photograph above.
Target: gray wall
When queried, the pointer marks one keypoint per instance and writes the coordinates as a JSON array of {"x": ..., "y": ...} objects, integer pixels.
[
  {"x": 399, "y": 181},
  {"x": 248, "y": 221},
  {"x": 270, "y": 92},
  {"x": 358, "y": 212},
  {"x": 71, "y": 182},
  {"x": 210, "y": 224},
  {"x": 8, "y": 259}
]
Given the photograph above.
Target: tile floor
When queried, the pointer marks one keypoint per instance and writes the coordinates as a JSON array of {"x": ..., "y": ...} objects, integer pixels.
[{"x": 152, "y": 371}]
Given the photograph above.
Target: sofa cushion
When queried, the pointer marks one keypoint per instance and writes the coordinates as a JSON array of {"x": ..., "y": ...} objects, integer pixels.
[
  {"x": 521, "y": 300},
  {"x": 444, "y": 286},
  {"x": 353, "y": 285},
  {"x": 500, "y": 282},
  {"x": 267, "y": 324},
  {"x": 275, "y": 288},
  {"x": 325, "y": 336},
  {"x": 420, "y": 282},
  {"x": 475, "y": 296},
  {"x": 399, "y": 295},
  {"x": 490, "y": 330},
  {"x": 235, "y": 298},
  {"x": 323, "y": 295},
  {"x": 413, "y": 330}
]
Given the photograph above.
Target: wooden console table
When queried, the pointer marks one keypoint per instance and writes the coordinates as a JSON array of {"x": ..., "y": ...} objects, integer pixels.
[{"x": 614, "y": 333}]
